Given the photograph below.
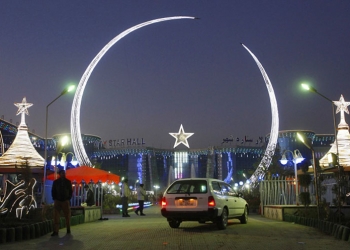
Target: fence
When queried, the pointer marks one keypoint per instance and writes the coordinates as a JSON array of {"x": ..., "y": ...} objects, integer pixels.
[
  {"x": 281, "y": 191},
  {"x": 79, "y": 193}
]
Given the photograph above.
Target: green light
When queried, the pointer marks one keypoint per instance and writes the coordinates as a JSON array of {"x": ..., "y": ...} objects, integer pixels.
[
  {"x": 305, "y": 142},
  {"x": 301, "y": 138},
  {"x": 64, "y": 140},
  {"x": 305, "y": 86},
  {"x": 71, "y": 88},
  {"x": 68, "y": 89}
]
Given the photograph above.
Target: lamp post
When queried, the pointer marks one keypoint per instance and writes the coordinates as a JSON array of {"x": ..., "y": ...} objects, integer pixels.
[
  {"x": 311, "y": 89},
  {"x": 247, "y": 185},
  {"x": 156, "y": 188},
  {"x": 60, "y": 146},
  {"x": 135, "y": 183},
  {"x": 65, "y": 91},
  {"x": 309, "y": 146},
  {"x": 297, "y": 158}
]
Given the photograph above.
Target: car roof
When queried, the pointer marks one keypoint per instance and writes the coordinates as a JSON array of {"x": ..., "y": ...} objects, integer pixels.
[{"x": 207, "y": 179}]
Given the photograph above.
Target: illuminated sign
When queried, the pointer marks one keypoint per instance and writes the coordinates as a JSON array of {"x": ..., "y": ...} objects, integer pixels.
[
  {"x": 126, "y": 142},
  {"x": 243, "y": 140}
]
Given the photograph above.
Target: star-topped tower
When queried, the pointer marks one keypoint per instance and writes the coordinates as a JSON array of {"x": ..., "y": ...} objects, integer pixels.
[
  {"x": 341, "y": 144},
  {"x": 342, "y": 107},
  {"x": 181, "y": 137},
  {"x": 23, "y": 110},
  {"x": 22, "y": 152}
]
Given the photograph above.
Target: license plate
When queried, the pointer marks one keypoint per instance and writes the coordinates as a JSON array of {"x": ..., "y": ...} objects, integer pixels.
[{"x": 186, "y": 202}]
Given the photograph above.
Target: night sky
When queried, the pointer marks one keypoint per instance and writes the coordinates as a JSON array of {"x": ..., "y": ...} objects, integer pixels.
[{"x": 189, "y": 72}]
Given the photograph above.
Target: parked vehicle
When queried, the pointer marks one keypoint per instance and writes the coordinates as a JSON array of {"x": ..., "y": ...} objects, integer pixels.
[{"x": 202, "y": 200}]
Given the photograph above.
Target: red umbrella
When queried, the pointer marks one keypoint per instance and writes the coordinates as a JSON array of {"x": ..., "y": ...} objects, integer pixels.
[{"x": 87, "y": 174}]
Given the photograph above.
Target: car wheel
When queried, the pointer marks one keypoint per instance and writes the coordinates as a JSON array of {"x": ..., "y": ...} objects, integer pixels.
[
  {"x": 244, "y": 217},
  {"x": 174, "y": 223},
  {"x": 222, "y": 220}
]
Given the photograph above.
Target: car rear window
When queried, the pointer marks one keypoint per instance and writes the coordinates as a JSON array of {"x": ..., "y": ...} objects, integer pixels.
[{"x": 188, "y": 187}]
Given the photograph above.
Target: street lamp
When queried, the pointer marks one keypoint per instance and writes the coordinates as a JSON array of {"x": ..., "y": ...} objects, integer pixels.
[
  {"x": 65, "y": 91},
  {"x": 136, "y": 182},
  {"x": 247, "y": 185},
  {"x": 309, "y": 88},
  {"x": 313, "y": 90},
  {"x": 297, "y": 158},
  {"x": 156, "y": 188},
  {"x": 60, "y": 145},
  {"x": 309, "y": 146}
]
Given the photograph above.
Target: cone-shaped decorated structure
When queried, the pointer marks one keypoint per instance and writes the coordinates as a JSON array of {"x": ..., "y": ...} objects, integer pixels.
[
  {"x": 21, "y": 151},
  {"x": 342, "y": 138}
]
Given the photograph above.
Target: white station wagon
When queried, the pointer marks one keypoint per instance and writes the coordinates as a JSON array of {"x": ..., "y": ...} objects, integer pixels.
[{"x": 202, "y": 200}]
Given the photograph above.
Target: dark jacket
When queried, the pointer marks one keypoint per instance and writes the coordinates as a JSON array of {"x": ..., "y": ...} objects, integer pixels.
[
  {"x": 90, "y": 200},
  {"x": 62, "y": 189}
]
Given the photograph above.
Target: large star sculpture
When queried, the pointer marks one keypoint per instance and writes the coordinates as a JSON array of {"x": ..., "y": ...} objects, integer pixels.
[
  {"x": 23, "y": 106},
  {"x": 23, "y": 109},
  {"x": 181, "y": 137},
  {"x": 342, "y": 106}
]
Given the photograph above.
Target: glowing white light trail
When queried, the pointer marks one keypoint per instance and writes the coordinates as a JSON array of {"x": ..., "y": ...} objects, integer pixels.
[
  {"x": 271, "y": 146},
  {"x": 77, "y": 141}
]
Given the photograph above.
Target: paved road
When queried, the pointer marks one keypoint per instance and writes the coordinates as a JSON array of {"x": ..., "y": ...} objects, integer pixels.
[{"x": 153, "y": 232}]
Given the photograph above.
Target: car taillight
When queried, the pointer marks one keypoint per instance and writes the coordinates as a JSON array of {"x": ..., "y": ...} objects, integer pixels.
[
  {"x": 211, "y": 201},
  {"x": 164, "y": 202}
]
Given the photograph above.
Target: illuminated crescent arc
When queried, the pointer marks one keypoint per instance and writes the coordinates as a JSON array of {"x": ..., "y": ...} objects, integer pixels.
[
  {"x": 271, "y": 146},
  {"x": 77, "y": 141}
]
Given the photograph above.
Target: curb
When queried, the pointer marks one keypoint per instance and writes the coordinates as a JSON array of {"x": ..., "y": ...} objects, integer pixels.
[
  {"x": 338, "y": 231},
  {"x": 34, "y": 230}
]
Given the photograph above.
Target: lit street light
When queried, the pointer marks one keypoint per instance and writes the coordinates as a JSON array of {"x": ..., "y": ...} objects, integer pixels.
[
  {"x": 136, "y": 182},
  {"x": 156, "y": 187},
  {"x": 60, "y": 145},
  {"x": 297, "y": 158},
  {"x": 309, "y": 146},
  {"x": 309, "y": 88},
  {"x": 65, "y": 91}
]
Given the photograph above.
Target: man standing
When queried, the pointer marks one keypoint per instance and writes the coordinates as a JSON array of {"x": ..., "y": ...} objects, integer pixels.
[
  {"x": 61, "y": 194},
  {"x": 141, "y": 193},
  {"x": 125, "y": 192}
]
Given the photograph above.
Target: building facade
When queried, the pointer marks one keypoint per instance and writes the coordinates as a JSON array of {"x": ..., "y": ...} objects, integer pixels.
[{"x": 232, "y": 162}]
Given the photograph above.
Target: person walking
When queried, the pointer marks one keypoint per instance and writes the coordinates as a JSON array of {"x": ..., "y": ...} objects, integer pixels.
[
  {"x": 61, "y": 194},
  {"x": 125, "y": 193},
  {"x": 141, "y": 193},
  {"x": 90, "y": 200}
]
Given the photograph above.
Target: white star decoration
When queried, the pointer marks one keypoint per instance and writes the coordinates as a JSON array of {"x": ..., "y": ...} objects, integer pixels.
[
  {"x": 23, "y": 106},
  {"x": 181, "y": 137},
  {"x": 342, "y": 107},
  {"x": 23, "y": 109}
]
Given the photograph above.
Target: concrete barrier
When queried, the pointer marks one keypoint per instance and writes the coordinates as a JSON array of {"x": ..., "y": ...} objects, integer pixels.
[
  {"x": 18, "y": 233},
  {"x": 2, "y": 235},
  {"x": 339, "y": 232},
  {"x": 10, "y": 234},
  {"x": 346, "y": 234}
]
